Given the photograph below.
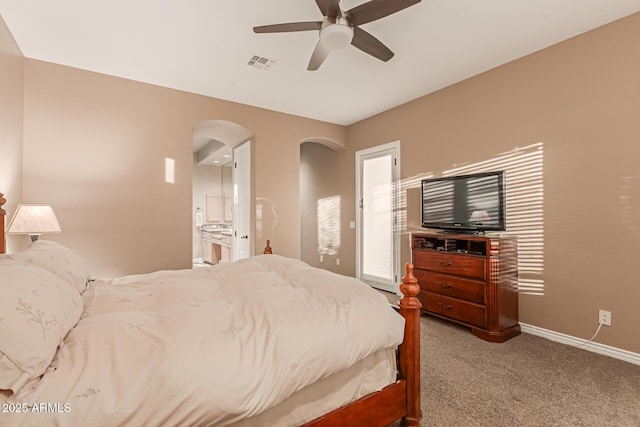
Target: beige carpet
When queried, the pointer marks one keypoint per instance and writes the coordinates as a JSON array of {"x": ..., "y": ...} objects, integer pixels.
[{"x": 526, "y": 381}]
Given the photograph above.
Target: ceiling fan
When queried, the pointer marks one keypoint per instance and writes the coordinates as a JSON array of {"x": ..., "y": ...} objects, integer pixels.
[{"x": 338, "y": 28}]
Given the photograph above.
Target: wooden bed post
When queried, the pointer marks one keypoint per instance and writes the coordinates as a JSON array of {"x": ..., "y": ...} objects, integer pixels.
[
  {"x": 267, "y": 249},
  {"x": 410, "y": 348},
  {"x": 3, "y": 214}
]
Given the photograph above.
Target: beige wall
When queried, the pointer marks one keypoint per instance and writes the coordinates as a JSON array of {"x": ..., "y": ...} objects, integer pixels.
[
  {"x": 11, "y": 114},
  {"x": 581, "y": 99},
  {"x": 94, "y": 147},
  {"x": 320, "y": 178}
]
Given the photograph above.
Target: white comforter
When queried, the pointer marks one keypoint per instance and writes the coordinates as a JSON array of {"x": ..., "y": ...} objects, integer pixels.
[{"x": 207, "y": 346}]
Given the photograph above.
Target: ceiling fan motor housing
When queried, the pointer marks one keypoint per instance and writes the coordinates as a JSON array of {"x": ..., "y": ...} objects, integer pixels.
[{"x": 336, "y": 32}]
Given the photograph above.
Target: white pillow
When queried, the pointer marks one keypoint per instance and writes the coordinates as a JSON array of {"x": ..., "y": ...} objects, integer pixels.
[
  {"x": 59, "y": 260},
  {"x": 37, "y": 310}
]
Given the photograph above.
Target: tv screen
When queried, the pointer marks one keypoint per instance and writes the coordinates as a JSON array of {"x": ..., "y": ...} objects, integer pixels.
[{"x": 471, "y": 203}]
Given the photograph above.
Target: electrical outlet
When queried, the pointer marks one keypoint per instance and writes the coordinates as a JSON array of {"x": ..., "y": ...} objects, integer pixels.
[
  {"x": 337, "y": 261},
  {"x": 321, "y": 259},
  {"x": 604, "y": 317}
]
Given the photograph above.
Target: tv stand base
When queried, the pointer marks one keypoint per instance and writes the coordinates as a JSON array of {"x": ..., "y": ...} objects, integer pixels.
[
  {"x": 469, "y": 279},
  {"x": 500, "y": 336}
]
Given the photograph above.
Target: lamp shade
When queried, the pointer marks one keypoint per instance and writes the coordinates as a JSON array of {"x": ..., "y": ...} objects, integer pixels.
[{"x": 34, "y": 220}]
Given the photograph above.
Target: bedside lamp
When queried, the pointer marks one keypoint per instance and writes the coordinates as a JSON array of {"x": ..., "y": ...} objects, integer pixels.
[{"x": 34, "y": 220}]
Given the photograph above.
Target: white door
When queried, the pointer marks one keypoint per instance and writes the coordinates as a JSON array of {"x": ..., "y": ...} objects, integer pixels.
[
  {"x": 377, "y": 237},
  {"x": 242, "y": 235}
]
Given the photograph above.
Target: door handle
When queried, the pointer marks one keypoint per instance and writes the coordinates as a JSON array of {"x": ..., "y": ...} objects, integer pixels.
[{"x": 244, "y": 237}]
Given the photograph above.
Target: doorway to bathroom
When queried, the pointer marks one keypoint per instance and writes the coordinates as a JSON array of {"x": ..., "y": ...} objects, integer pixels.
[{"x": 217, "y": 211}]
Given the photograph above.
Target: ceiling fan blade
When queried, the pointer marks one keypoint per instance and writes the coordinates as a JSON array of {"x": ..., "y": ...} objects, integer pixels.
[
  {"x": 291, "y": 26},
  {"x": 318, "y": 56},
  {"x": 329, "y": 7},
  {"x": 371, "y": 45},
  {"x": 376, "y": 9}
]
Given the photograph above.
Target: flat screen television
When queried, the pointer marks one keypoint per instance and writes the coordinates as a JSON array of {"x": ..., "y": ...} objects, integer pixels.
[{"x": 466, "y": 203}]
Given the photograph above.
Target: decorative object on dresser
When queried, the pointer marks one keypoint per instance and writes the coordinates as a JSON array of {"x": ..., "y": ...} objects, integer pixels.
[
  {"x": 469, "y": 279},
  {"x": 34, "y": 220}
]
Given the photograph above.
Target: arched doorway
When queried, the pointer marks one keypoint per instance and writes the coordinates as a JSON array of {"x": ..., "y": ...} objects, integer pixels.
[
  {"x": 214, "y": 206},
  {"x": 321, "y": 222}
]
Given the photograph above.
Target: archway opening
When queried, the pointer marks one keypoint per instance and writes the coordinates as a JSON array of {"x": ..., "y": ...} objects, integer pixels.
[
  {"x": 321, "y": 219},
  {"x": 212, "y": 203}
]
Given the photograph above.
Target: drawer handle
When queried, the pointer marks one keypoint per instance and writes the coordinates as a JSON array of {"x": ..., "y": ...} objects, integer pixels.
[
  {"x": 446, "y": 264},
  {"x": 444, "y": 307},
  {"x": 444, "y": 285}
]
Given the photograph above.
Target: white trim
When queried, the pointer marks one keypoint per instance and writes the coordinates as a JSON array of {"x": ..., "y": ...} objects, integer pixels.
[
  {"x": 359, "y": 155},
  {"x": 243, "y": 210},
  {"x": 594, "y": 347}
]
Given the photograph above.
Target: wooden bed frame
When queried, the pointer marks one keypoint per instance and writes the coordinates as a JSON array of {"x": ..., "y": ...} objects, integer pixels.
[
  {"x": 400, "y": 400},
  {"x": 397, "y": 401}
]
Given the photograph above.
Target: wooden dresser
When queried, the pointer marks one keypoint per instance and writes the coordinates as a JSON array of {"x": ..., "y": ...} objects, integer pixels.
[{"x": 469, "y": 279}]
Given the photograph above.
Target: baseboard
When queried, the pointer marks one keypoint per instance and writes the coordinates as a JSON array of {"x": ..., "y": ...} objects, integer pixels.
[{"x": 593, "y": 347}]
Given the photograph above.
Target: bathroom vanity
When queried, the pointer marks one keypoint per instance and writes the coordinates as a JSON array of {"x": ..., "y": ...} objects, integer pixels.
[{"x": 216, "y": 245}]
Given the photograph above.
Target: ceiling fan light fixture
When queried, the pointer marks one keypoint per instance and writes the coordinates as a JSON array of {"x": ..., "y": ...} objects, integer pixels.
[
  {"x": 336, "y": 36},
  {"x": 340, "y": 28}
]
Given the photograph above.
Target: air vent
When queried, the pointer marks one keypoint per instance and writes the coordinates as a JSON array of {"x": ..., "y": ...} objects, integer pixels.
[{"x": 261, "y": 62}]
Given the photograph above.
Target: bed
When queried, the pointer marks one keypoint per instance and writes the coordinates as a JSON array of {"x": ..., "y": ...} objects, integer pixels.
[{"x": 223, "y": 345}]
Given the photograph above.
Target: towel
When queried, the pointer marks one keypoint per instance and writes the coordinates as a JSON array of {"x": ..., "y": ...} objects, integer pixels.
[{"x": 199, "y": 220}]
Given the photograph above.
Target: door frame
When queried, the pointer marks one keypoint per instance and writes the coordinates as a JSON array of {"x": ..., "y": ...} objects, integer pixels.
[
  {"x": 238, "y": 209},
  {"x": 394, "y": 147}
]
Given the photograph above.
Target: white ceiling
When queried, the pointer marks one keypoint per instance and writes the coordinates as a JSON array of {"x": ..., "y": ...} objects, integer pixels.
[{"x": 203, "y": 46}]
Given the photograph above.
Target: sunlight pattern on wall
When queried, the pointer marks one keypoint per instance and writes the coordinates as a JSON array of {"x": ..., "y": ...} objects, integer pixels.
[
  {"x": 524, "y": 208},
  {"x": 329, "y": 225},
  {"x": 266, "y": 217},
  {"x": 259, "y": 222},
  {"x": 629, "y": 211}
]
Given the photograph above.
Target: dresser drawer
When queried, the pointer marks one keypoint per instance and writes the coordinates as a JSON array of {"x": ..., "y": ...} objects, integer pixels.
[
  {"x": 442, "y": 262},
  {"x": 453, "y": 308},
  {"x": 466, "y": 289}
]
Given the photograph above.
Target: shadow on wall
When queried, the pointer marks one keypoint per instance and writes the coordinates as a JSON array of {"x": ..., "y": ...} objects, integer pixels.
[{"x": 523, "y": 168}]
